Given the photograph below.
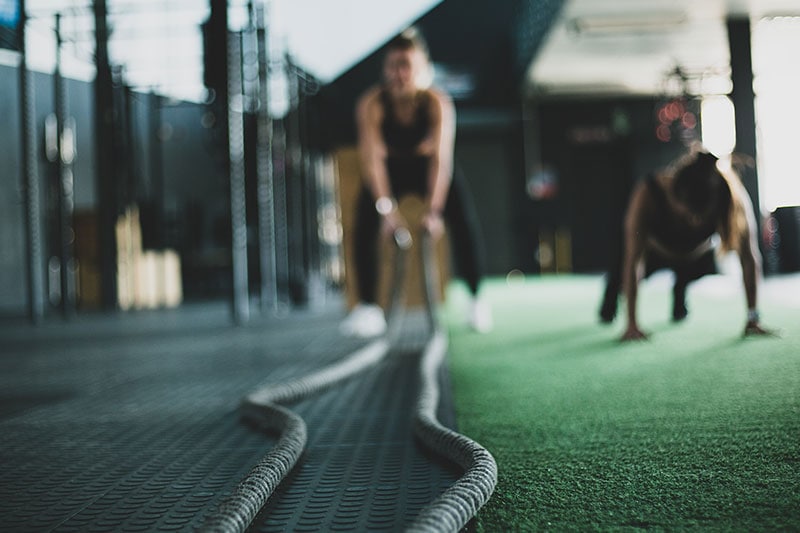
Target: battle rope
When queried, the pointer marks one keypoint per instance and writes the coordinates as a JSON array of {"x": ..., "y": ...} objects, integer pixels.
[
  {"x": 261, "y": 407},
  {"x": 460, "y": 502},
  {"x": 451, "y": 510}
]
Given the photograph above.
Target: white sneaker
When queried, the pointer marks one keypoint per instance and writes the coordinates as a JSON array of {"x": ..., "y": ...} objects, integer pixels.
[
  {"x": 365, "y": 320},
  {"x": 480, "y": 317}
]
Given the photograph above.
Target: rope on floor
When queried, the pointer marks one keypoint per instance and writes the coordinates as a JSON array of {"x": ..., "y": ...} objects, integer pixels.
[
  {"x": 261, "y": 407},
  {"x": 240, "y": 508},
  {"x": 460, "y": 502},
  {"x": 457, "y": 505},
  {"x": 449, "y": 512}
]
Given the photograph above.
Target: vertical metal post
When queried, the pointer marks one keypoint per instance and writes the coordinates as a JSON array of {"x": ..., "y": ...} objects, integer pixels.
[
  {"x": 132, "y": 163},
  {"x": 296, "y": 190},
  {"x": 264, "y": 183},
  {"x": 276, "y": 107},
  {"x": 311, "y": 203},
  {"x": 65, "y": 187},
  {"x": 743, "y": 97},
  {"x": 156, "y": 195},
  {"x": 311, "y": 220},
  {"x": 105, "y": 174},
  {"x": 30, "y": 180},
  {"x": 241, "y": 304},
  {"x": 281, "y": 215}
]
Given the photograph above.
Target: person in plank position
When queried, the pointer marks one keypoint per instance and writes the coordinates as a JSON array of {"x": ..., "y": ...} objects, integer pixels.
[{"x": 679, "y": 220}]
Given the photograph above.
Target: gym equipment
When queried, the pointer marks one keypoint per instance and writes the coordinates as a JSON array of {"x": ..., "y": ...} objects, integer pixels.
[{"x": 452, "y": 509}]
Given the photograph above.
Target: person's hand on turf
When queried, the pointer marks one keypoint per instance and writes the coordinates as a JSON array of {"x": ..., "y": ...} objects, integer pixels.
[
  {"x": 753, "y": 328},
  {"x": 633, "y": 333}
]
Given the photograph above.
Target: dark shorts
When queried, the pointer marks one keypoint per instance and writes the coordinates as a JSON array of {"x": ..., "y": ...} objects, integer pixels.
[
  {"x": 686, "y": 270},
  {"x": 408, "y": 175}
]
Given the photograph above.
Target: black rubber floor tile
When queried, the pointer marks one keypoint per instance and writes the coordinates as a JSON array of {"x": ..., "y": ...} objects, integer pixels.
[{"x": 130, "y": 423}]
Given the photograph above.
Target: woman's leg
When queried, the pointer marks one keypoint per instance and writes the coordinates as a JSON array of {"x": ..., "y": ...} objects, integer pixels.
[
  {"x": 687, "y": 273},
  {"x": 365, "y": 247},
  {"x": 465, "y": 236},
  {"x": 608, "y": 309},
  {"x": 366, "y": 319}
]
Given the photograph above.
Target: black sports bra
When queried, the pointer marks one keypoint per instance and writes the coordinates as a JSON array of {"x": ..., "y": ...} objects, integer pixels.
[
  {"x": 670, "y": 230},
  {"x": 402, "y": 139}
]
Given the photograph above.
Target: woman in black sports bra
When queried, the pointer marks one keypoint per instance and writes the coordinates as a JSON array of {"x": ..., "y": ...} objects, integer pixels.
[
  {"x": 406, "y": 134},
  {"x": 678, "y": 221}
]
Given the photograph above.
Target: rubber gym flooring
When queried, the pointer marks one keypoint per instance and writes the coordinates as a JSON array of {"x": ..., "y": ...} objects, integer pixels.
[
  {"x": 128, "y": 422},
  {"x": 695, "y": 429}
]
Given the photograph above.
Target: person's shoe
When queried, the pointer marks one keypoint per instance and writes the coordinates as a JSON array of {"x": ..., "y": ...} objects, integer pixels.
[
  {"x": 679, "y": 311},
  {"x": 365, "y": 320},
  {"x": 480, "y": 317},
  {"x": 608, "y": 311},
  {"x": 607, "y": 314}
]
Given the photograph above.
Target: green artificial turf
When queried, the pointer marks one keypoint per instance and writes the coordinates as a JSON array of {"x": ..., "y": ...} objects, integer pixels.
[{"x": 694, "y": 428}]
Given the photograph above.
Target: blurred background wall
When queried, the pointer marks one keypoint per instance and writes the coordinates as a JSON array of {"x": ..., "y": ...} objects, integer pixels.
[{"x": 223, "y": 160}]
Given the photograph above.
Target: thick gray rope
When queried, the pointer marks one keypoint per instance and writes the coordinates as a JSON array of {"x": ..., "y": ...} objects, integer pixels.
[
  {"x": 459, "y": 503},
  {"x": 261, "y": 407},
  {"x": 240, "y": 508},
  {"x": 449, "y": 512}
]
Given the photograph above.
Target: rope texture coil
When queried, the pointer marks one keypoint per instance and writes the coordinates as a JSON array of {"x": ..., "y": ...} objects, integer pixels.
[
  {"x": 449, "y": 512},
  {"x": 261, "y": 407}
]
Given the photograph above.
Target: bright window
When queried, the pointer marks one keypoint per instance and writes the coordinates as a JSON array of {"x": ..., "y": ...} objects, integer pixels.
[
  {"x": 718, "y": 125},
  {"x": 776, "y": 47}
]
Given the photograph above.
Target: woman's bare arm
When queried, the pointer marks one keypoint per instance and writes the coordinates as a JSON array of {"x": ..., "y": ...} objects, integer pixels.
[
  {"x": 372, "y": 154},
  {"x": 635, "y": 237},
  {"x": 440, "y": 145},
  {"x": 371, "y": 148},
  {"x": 750, "y": 259}
]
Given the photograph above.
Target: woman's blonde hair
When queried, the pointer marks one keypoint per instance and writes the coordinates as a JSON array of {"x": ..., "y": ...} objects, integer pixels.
[
  {"x": 408, "y": 39},
  {"x": 412, "y": 39},
  {"x": 696, "y": 174},
  {"x": 734, "y": 228}
]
